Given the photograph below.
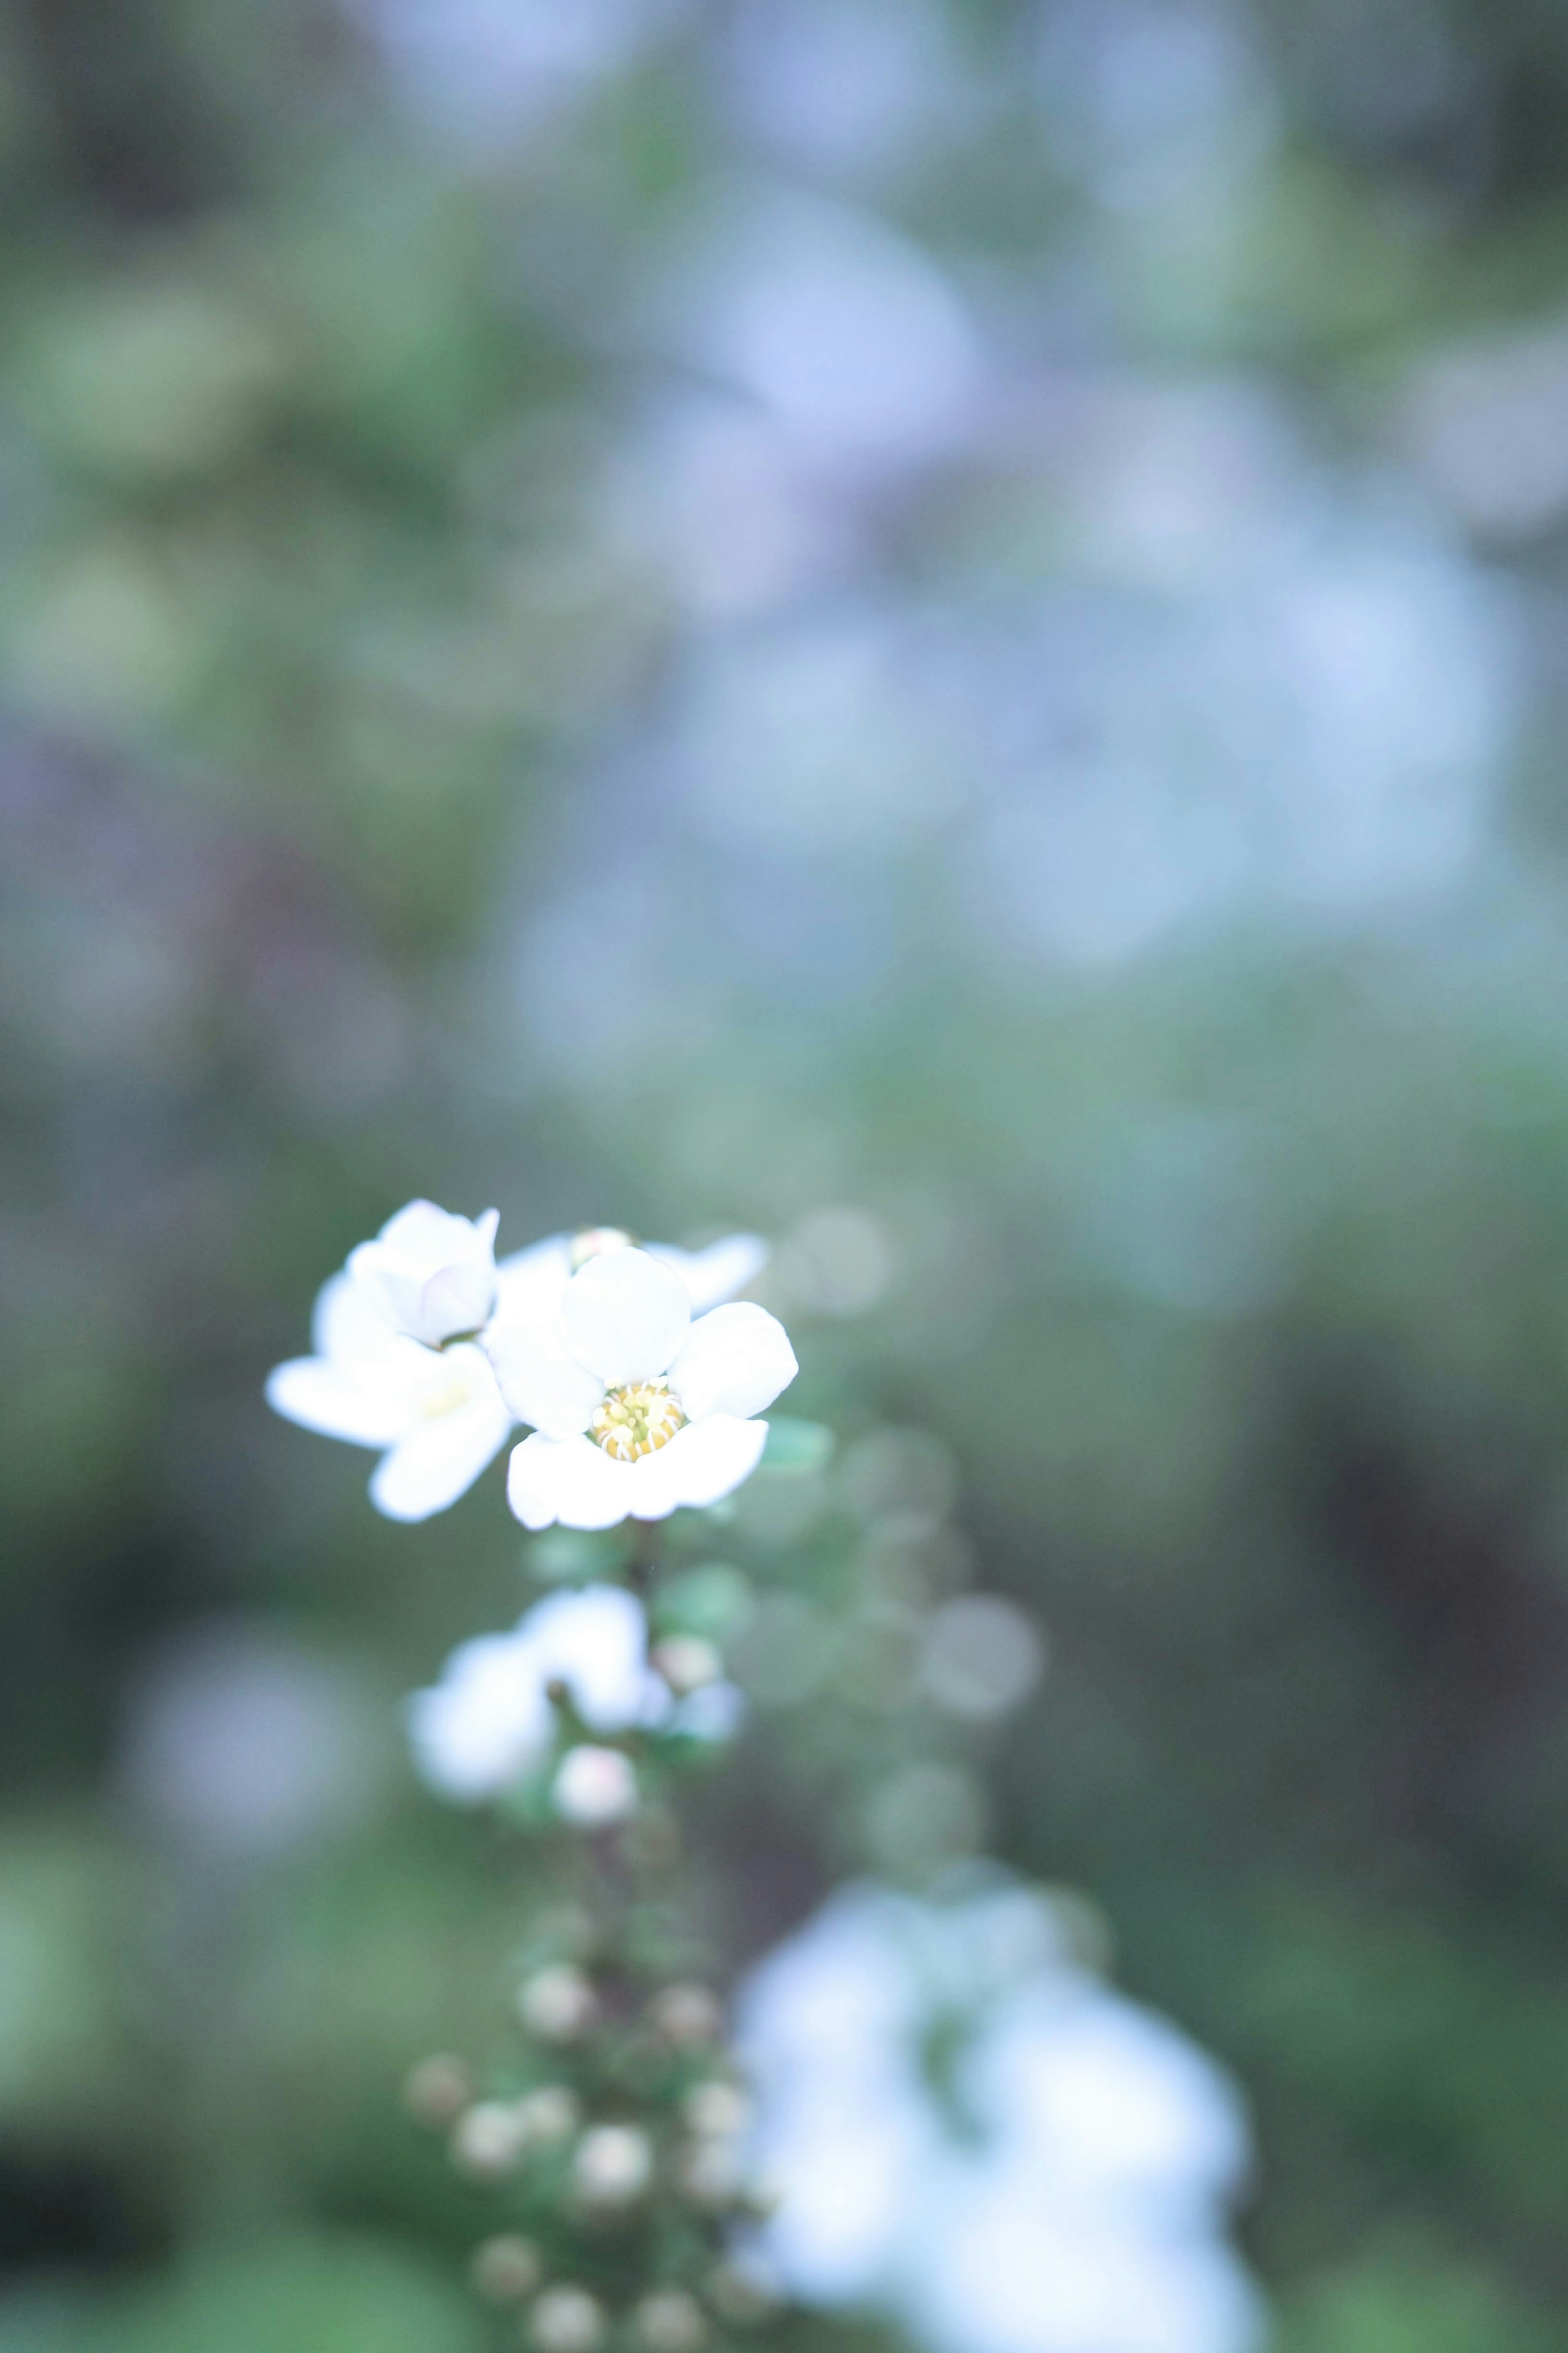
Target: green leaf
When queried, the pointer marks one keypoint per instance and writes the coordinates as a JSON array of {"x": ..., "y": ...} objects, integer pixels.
[{"x": 797, "y": 1445}]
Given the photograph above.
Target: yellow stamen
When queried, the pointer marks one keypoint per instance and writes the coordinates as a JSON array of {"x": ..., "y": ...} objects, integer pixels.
[{"x": 636, "y": 1420}]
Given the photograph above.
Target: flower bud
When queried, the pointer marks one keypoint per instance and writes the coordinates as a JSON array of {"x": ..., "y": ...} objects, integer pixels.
[
  {"x": 594, "y": 1786},
  {"x": 550, "y": 2114},
  {"x": 506, "y": 2269},
  {"x": 487, "y": 2143},
  {"x": 567, "y": 2320},
  {"x": 613, "y": 2166},
  {"x": 596, "y": 1241},
  {"x": 687, "y": 2015},
  {"x": 686, "y": 1662},
  {"x": 717, "y": 2109},
  {"x": 437, "y": 2091},
  {"x": 558, "y": 2004},
  {"x": 708, "y": 2172},
  {"x": 669, "y": 2321}
]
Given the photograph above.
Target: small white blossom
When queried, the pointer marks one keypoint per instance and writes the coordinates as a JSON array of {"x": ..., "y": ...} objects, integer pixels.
[
  {"x": 594, "y": 1786},
  {"x": 1063, "y": 2186},
  {"x": 636, "y": 1410},
  {"x": 437, "y": 1419},
  {"x": 491, "y": 1717},
  {"x": 429, "y": 1274}
]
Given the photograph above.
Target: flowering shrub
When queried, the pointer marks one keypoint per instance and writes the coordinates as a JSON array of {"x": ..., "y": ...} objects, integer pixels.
[{"x": 933, "y": 2109}]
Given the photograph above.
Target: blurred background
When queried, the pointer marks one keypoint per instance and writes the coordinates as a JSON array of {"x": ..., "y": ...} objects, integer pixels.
[{"x": 936, "y": 627}]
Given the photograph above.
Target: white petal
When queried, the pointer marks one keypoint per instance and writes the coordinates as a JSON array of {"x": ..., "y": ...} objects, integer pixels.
[
  {"x": 541, "y": 1384},
  {"x": 624, "y": 1315},
  {"x": 456, "y": 1299},
  {"x": 528, "y": 1283},
  {"x": 428, "y": 1272},
  {"x": 703, "y": 1462},
  {"x": 486, "y": 1720},
  {"x": 735, "y": 1360},
  {"x": 422, "y": 1237},
  {"x": 570, "y": 1480},
  {"x": 595, "y": 1642},
  {"x": 439, "y": 1460},
  {"x": 349, "y": 1326},
  {"x": 718, "y": 1272},
  {"x": 319, "y": 1396}
]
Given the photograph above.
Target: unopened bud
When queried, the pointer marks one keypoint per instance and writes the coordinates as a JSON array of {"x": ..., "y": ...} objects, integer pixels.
[
  {"x": 670, "y": 2321},
  {"x": 487, "y": 2143},
  {"x": 717, "y": 2109},
  {"x": 595, "y": 1241},
  {"x": 558, "y": 2004},
  {"x": 687, "y": 2015},
  {"x": 613, "y": 2166},
  {"x": 437, "y": 2091},
  {"x": 567, "y": 2320},
  {"x": 686, "y": 1662},
  {"x": 507, "y": 2269},
  {"x": 553, "y": 2113},
  {"x": 594, "y": 1786},
  {"x": 708, "y": 2172}
]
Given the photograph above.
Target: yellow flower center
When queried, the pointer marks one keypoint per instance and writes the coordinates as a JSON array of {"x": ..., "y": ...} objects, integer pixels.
[
  {"x": 443, "y": 1398},
  {"x": 635, "y": 1420}
]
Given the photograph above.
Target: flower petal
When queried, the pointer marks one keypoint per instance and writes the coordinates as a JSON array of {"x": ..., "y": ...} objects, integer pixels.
[
  {"x": 540, "y": 1383},
  {"x": 530, "y": 1281},
  {"x": 570, "y": 1480},
  {"x": 320, "y": 1395},
  {"x": 484, "y": 1723},
  {"x": 718, "y": 1272},
  {"x": 624, "y": 1315},
  {"x": 703, "y": 1462},
  {"x": 348, "y": 1325},
  {"x": 594, "y": 1640},
  {"x": 457, "y": 1299},
  {"x": 440, "y": 1460},
  {"x": 430, "y": 1273},
  {"x": 735, "y": 1360}
]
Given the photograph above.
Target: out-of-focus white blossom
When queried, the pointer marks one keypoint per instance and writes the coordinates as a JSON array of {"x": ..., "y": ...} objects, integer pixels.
[
  {"x": 428, "y": 1273},
  {"x": 491, "y": 1717},
  {"x": 594, "y": 1786},
  {"x": 438, "y": 1416},
  {"x": 636, "y": 1410},
  {"x": 1054, "y": 2182}
]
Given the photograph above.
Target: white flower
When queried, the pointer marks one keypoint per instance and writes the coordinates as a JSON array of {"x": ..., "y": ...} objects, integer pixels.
[
  {"x": 1062, "y": 2187},
  {"x": 636, "y": 1410},
  {"x": 429, "y": 1274},
  {"x": 530, "y": 1282},
  {"x": 491, "y": 1717},
  {"x": 594, "y": 1786},
  {"x": 437, "y": 1418}
]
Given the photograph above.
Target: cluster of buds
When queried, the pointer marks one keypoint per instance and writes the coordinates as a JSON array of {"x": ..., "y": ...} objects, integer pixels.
[{"x": 618, "y": 2150}]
